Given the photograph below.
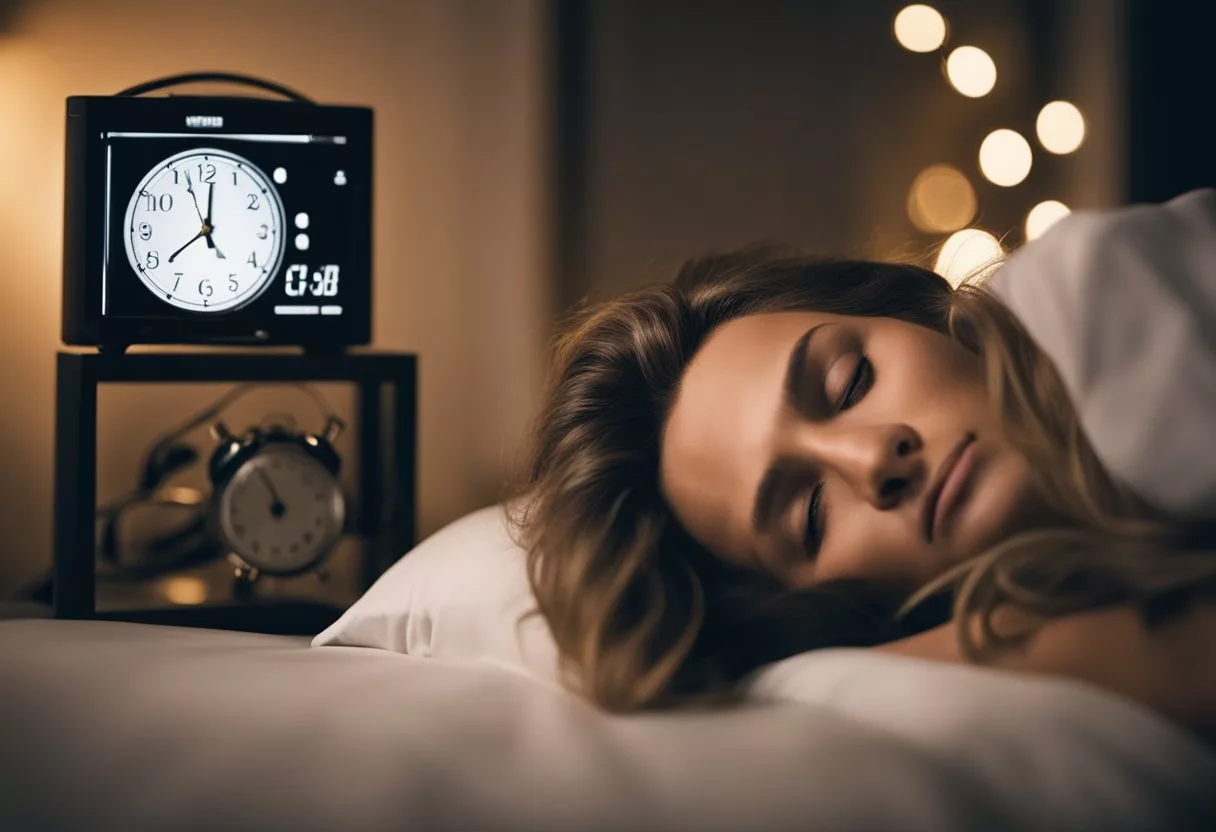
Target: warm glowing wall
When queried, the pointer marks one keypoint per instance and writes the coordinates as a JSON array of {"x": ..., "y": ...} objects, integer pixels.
[{"x": 459, "y": 270}]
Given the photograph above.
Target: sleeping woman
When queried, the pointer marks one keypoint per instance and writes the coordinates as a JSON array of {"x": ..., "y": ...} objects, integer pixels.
[{"x": 776, "y": 453}]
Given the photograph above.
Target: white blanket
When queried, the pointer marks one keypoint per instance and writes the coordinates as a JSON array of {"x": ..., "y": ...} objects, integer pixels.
[{"x": 113, "y": 726}]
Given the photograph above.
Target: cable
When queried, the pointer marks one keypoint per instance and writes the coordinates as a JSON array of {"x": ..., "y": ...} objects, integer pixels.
[
  {"x": 232, "y": 77},
  {"x": 212, "y": 411}
]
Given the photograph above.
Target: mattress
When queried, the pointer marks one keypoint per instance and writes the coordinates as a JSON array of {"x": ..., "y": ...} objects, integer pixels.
[{"x": 135, "y": 727}]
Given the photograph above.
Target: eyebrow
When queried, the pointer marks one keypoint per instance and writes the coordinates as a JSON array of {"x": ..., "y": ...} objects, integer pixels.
[{"x": 795, "y": 366}]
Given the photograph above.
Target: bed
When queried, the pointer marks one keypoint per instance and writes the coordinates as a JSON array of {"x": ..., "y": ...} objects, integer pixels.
[
  {"x": 424, "y": 708},
  {"x": 112, "y": 725}
]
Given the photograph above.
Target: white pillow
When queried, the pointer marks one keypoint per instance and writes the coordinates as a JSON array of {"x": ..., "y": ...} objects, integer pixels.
[
  {"x": 457, "y": 595},
  {"x": 1124, "y": 302}
]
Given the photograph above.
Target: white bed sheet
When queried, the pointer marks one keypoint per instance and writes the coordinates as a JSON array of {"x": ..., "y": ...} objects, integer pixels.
[{"x": 134, "y": 727}]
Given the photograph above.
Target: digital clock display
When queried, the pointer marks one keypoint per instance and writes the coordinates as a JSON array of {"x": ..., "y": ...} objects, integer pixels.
[
  {"x": 238, "y": 224},
  {"x": 322, "y": 283}
]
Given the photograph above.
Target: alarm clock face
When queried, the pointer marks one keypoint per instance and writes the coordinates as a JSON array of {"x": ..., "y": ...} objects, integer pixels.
[
  {"x": 282, "y": 511},
  {"x": 204, "y": 230}
]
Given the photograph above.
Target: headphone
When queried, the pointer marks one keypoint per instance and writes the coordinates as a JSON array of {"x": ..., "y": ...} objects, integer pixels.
[{"x": 194, "y": 542}]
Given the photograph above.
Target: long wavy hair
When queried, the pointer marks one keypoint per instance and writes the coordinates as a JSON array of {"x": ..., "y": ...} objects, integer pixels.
[{"x": 644, "y": 617}]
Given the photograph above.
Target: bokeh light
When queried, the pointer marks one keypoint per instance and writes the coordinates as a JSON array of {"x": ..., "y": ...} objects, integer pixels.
[
  {"x": 185, "y": 589},
  {"x": 941, "y": 199},
  {"x": 1043, "y": 216},
  {"x": 920, "y": 28},
  {"x": 1060, "y": 127},
  {"x": 1005, "y": 157},
  {"x": 971, "y": 71},
  {"x": 966, "y": 253}
]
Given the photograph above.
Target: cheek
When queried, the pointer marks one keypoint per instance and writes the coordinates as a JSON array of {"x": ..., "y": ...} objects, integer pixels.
[
  {"x": 928, "y": 372},
  {"x": 1004, "y": 503},
  {"x": 875, "y": 546}
]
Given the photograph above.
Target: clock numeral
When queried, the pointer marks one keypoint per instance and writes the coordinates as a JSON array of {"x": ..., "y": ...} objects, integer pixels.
[
  {"x": 329, "y": 283},
  {"x": 297, "y": 272},
  {"x": 206, "y": 172},
  {"x": 263, "y": 233},
  {"x": 232, "y": 284},
  {"x": 205, "y": 289},
  {"x": 153, "y": 259},
  {"x": 234, "y": 177},
  {"x": 253, "y": 259},
  {"x": 175, "y": 182},
  {"x": 253, "y": 202},
  {"x": 179, "y": 276},
  {"x": 164, "y": 202},
  {"x": 145, "y": 231}
]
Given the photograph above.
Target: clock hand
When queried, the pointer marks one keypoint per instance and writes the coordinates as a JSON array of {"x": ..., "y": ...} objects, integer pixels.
[
  {"x": 277, "y": 508},
  {"x": 208, "y": 228},
  {"x": 173, "y": 256},
  {"x": 190, "y": 190}
]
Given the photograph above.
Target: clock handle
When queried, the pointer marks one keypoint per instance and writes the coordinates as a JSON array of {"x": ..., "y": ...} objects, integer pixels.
[{"x": 230, "y": 77}]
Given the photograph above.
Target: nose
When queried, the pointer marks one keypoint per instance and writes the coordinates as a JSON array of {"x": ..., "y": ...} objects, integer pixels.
[{"x": 883, "y": 464}]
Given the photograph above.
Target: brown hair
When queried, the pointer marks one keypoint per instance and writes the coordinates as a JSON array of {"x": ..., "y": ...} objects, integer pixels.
[{"x": 644, "y": 616}]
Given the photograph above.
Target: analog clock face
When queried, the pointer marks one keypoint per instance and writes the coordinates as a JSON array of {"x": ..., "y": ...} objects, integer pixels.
[
  {"x": 204, "y": 231},
  {"x": 282, "y": 511}
]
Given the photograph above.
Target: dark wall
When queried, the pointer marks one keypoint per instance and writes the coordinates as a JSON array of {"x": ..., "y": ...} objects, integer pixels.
[
  {"x": 1172, "y": 68},
  {"x": 690, "y": 125}
]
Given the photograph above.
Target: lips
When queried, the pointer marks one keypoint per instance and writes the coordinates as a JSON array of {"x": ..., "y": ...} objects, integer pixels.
[{"x": 929, "y": 510}]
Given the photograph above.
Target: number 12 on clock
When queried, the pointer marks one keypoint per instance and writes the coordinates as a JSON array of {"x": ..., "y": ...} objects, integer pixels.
[{"x": 323, "y": 282}]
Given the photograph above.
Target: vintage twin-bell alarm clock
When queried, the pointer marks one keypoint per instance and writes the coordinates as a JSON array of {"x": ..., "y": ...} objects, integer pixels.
[
  {"x": 216, "y": 220},
  {"x": 277, "y": 504}
]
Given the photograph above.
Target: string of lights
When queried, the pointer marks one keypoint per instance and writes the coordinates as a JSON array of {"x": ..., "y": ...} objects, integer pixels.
[{"x": 941, "y": 199}]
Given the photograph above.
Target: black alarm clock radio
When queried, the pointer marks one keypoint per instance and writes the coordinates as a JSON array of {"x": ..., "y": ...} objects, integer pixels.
[{"x": 216, "y": 220}]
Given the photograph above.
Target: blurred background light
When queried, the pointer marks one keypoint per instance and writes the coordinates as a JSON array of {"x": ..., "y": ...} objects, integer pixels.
[
  {"x": 966, "y": 253},
  {"x": 1061, "y": 127},
  {"x": 185, "y": 589},
  {"x": 971, "y": 71},
  {"x": 1043, "y": 216},
  {"x": 941, "y": 199},
  {"x": 1005, "y": 157},
  {"x": 920, "y": 28}
]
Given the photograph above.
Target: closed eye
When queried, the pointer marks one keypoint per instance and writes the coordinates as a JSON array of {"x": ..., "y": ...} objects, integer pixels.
[
  {"x": 813, "y": 536},
  {"x": 816, "y": 511},
  {"x": 859, "y": 384}
]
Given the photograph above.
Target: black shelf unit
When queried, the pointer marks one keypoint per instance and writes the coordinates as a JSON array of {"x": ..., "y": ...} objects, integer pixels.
[{"x": 385, "y": 518}]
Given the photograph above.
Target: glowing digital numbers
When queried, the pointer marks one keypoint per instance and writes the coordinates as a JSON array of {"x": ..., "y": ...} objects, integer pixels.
[
  {"x": 296, "y": 272},
  {"x": 323, "y": 282},
  {"x": 329, "y": 282}
]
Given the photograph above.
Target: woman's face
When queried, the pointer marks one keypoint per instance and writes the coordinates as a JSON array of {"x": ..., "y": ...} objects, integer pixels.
[{"x": 818, "y": 447}]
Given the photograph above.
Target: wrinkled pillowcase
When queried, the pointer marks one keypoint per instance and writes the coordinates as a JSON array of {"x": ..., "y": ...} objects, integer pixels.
[{"x": 458, "y": 595}]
